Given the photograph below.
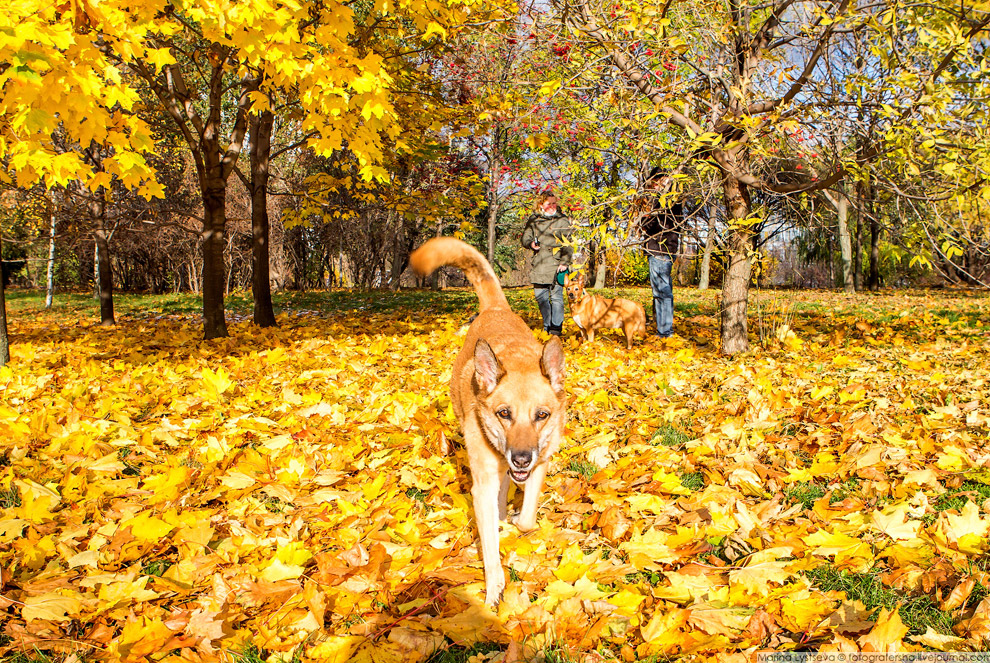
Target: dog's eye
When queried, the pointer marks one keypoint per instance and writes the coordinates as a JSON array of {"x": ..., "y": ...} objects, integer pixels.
[
  {"x": 542, "y": 415},
  {"x": 504, "y": 413}
]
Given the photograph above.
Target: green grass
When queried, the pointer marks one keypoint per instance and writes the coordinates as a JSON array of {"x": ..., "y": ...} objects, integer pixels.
[
  {"x": 669, "y": 435},
  {"x": 917, "y": 612},
  {"x": 35, "y": 656},
  {"x": 956, "y": 499},
  {"x": 805, "y": 492},
  {"x": 458, "y": 654},
  {"x": 252, "y": 654},
  {"x": 156, "y": 567},
  {"x": 841, "y": 491},
  {"x": 694, "y": 481},
  {"x": 9, "y": 498},
  {"x": 652, "y": 578},
  {"x": 583, "y": 468}
]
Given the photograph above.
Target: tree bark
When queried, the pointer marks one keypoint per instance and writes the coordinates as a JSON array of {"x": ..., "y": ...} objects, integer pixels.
[
  {"x": 492, "y": 217},
  {"x": 874, "y": 281},
  {"x": 50, "y": 289},
  {"x": 858, "y": 240},
  {"x": 261, "y": 148},
  {"x": 214, "y": 227},
  {"x": 214, "y": 156},
  {"x": 845, "y": 244},
  {"x": 706, "y": 259},
  {"x": 4, "y": 337},
  {"x": 104, "y": 275},
  {"x": 735, "y": 289}
]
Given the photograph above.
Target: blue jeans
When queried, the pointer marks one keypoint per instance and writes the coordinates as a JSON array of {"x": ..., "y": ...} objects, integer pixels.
[
  {"x": 663, "y": 294},
  {"x": 550, "y": 299}
]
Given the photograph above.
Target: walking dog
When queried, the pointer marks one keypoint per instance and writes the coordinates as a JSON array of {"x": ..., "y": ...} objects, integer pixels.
[
  {"x": 507, "y": 391},
  {"x": 591, "y": 312}
]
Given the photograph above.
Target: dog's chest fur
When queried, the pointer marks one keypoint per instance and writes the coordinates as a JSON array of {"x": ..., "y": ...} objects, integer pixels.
[{"x": 591, "y": 312}]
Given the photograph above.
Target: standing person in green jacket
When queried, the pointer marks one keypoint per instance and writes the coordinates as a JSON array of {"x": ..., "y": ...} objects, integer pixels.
[{"x": 546, "y": 234}]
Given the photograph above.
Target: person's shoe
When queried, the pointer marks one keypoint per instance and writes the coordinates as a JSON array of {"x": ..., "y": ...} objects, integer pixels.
[{"x": 556, "y": 331}]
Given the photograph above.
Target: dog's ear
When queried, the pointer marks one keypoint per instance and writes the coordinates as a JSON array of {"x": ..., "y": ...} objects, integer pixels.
[
  {"x": 487, "y": 368},
  {"x": 552, "y": 363}
]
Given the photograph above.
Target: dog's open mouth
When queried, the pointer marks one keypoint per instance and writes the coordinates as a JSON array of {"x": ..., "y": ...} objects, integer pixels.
[{"x": 519, "y": 476}]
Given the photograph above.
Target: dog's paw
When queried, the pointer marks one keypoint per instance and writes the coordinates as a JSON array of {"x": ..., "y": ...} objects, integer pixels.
[
  {"x": 521, "y": 524},
  {"x": 493, "y": 594}
]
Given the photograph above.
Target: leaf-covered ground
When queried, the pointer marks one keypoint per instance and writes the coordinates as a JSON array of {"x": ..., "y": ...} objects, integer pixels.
[{"x": 301, "y": 492}]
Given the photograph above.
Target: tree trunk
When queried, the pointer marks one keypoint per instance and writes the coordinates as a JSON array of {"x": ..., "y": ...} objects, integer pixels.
[
  {"x": 96, "y": 271},
  {"x": 845, "y": 244},
  {"x": 261, "y": 149},
  {"x": 50, "y": 289},
  {"x": 405, "y": 241},
  {"x": 214, "y": 226},
  {"x": 735, "y": 289},
  {"x": 594, "y": 274},
  {"x": 4, "y": 337},
  {"x": 706, "y": 260},
  {"x": 858, "y": 240},
  {"x": 492, "y": 218},
  {"x": 874, "y": 281},
  {"x": 104, "y": 271}
]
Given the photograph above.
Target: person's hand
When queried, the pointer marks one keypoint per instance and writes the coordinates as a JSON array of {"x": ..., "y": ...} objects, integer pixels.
[
  {"x": 535, "y": 245},
  {"x": 562, "y": 268}
]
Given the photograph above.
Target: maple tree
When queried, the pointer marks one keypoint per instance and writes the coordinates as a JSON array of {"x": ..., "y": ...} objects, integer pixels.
[
  {"x": 195, "y": 58},
  {"x": 715, "y": 78}
]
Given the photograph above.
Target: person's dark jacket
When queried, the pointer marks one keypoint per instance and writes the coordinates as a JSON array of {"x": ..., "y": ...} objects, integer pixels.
[
  {"x": 553, "y": 233},
  {"x": 661, "y": 229}
]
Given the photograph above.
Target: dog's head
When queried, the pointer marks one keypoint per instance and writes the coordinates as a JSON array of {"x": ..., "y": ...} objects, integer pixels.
[
  {"x": 575, "y": 288},
  {"x": 521, "y": 408}
]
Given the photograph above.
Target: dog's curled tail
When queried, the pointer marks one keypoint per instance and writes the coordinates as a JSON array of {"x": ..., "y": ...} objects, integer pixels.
[{"x": 441, "y": 251}]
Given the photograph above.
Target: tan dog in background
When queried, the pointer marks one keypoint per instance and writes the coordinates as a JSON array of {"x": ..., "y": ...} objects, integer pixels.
[
  {"x": 508, "y": 394},
  {"x": 591, "y": 312}
]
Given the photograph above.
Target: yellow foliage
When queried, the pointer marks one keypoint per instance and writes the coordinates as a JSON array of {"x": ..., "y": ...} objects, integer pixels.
[{"x": 288, "y": 488}]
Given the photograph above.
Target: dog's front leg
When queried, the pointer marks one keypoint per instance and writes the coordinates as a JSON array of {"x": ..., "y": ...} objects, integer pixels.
[
  {"x": 526, "y": 520},
  {"x": 503, "y": 497},
  {"x": 485, "y": 491}
]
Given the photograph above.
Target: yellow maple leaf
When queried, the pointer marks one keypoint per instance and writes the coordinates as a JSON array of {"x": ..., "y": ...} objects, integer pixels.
[
  {"x": 887, "y": 633},
  {"x": 51, "y": 606},
  {"x": 648, "y": 550},
  {"x": 146, "y": 527}
]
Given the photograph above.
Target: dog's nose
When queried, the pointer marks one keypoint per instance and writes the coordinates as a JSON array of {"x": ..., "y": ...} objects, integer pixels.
[{"x": 521, "y": 459}]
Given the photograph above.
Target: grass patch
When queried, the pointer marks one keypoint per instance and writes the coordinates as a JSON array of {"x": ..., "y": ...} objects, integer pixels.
[
  {"x": 583, "y": 468},
  {"x": 841, "y": 491},
  {"x": 650, "y": 577},
  {"x": 417, "y": 494},
  {"x": 34, "y": 656},
  {"x": 917, "y": 612},
  {"x": 956, "y": 499},
  {"x": 156, "y": 567},
  {"x": 9, "y": 498},
  {"x": 556, "y": 654},
  {"x": 458, "y": 654},
  {"x": 669, "y": 436},
  {"x": 252, "y": 654},
  {"x": 805, "y": 492},
  {"x": 694, "y": 481}
]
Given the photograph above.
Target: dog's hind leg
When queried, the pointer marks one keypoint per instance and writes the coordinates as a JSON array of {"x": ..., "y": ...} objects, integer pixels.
[
  {"x": 628, "y": 332},
  {"x": 526, "y": 520}
]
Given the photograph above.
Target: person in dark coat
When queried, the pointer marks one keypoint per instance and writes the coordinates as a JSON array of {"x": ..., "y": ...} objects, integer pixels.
[
  {"x": 546, "y": 234},
  {"x": 660, "y": 227}
]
